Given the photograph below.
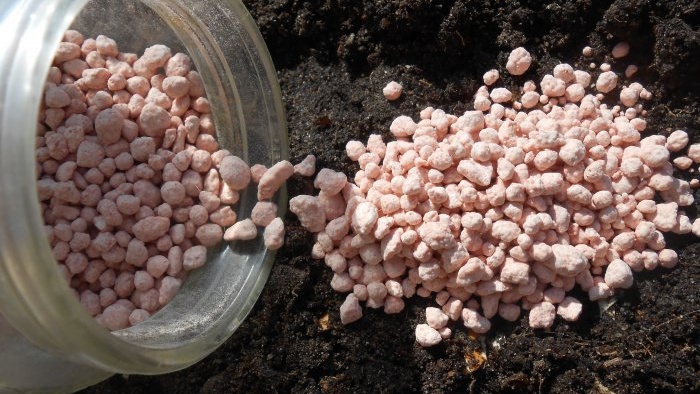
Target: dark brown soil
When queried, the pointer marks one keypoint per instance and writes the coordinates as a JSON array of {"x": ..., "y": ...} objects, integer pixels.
[{"x": 333, "y": 59}]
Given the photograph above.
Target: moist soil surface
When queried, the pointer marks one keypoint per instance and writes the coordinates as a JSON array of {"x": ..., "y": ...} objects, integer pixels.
[{"x": 333, "y": 58}]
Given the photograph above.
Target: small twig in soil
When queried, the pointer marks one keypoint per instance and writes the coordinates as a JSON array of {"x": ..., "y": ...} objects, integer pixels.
[
  {"x": 460, "y": 38},
  {"x": 677, "y": 318}
]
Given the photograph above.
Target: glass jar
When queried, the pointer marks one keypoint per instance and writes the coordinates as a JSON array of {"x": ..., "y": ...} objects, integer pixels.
[{"x": 48, "y": 343}]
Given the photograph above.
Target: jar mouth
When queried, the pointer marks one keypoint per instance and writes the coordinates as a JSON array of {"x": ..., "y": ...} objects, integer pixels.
[{"x": 240, "y": 81}]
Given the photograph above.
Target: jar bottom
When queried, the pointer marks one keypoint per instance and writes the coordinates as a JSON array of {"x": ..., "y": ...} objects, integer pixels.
[{"x": 30, "y": 367}]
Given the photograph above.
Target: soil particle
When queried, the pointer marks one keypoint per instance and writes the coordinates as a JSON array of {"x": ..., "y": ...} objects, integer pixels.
[{"x": 333, "y": 58}]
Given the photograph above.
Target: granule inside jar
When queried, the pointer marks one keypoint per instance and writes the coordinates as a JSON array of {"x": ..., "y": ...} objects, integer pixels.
[{"x": 128, "y": 175}]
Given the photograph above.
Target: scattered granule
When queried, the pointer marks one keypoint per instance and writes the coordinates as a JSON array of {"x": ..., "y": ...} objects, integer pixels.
[
  {"x": 696, "y": 227},
  {"x": 274, "y": 234},
  {"x": 309, "y": 211},
  {"x": 677, "y": 140},
  {"x": 620, "y": 50},
  {"x": 306, "y": 167},
  {"x": 243, "y": 230},
  {"x": 569, "y": 309},
  {"x": 351, "y": 310},
  {"x": 542, "y": 315},
  {"x": 273, "y": 179},
  {"x": 506, "y": 208},
  {"x": 392, "y": 91},
  {"x": 518, "y": 61},
  {"x": 427, "y": 336}
]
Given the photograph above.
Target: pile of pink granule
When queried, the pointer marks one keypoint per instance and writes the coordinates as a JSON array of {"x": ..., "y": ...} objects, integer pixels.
[{"x": 505, "y": 208}]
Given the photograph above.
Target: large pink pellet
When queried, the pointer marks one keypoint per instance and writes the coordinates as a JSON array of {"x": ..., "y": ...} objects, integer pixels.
[
  {"x": 392, "y": 91},
  {"x": 137, "y": 316},
  {"x": 169, "y": 287},
  {"x": 108, "y": 126},
  {"x": 194, "y": 257},
  {"x": 173, "y": 192},
  {"x": 151, "y": 228},
  {"x": 263, "y": 213},
  {"x": 330, "y": 181},
  {"x": 570, "y": 309},
  {"x": 274, "y": 234},
  {"x": 306, "y": 167},
  {"x": 153, "y": 120},
  {"x": 209, "y": 234},
  {"x": 309, "y": 211},
  {"x": 350, "y": 310},
  {"x": 427, "y": 336},
  {"x": 542, "y": 315},
  {"x": 243, "y": 230},
  {"x": 273, "y": 179},
  {"x": 234, "y": 172},
  {"x": 116, "y": 317},
  {"x": 518, "y": 61}
]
